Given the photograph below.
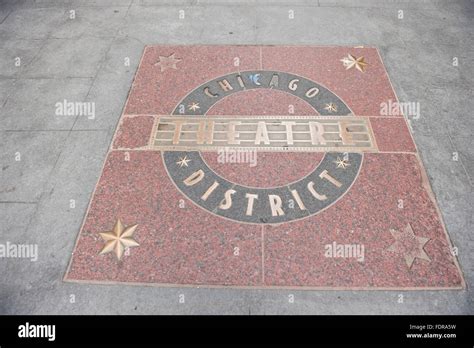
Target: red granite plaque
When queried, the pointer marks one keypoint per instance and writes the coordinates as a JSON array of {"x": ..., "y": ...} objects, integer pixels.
[{"x": 264, "y": 167}]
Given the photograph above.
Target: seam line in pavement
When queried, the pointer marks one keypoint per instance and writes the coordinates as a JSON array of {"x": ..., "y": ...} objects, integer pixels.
[{"x": 8, "y": 15}]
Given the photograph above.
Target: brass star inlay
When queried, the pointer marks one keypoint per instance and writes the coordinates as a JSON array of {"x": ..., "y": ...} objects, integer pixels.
[
  {"x": 331, "y": 107},
  {"x": 118, "y": 239},
  {"x": 183, "y": 162},
  {"x": 167, "y": 62},
  {"x": 342, "y": 163},
  {"x": 408, "y": 245},
  {"x": 194, "y": 106},
  {"x": 351, "y": 61}
]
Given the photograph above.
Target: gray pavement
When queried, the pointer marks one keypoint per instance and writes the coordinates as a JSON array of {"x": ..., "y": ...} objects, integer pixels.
[{"x": 82, "y": 59}]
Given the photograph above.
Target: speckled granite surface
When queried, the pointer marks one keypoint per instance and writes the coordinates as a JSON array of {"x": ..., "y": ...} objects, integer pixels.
[{"x": 379, "y": 229}]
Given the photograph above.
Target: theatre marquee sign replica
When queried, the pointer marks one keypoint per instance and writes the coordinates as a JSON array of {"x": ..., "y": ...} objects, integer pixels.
[{"x": 335, "y": 195}]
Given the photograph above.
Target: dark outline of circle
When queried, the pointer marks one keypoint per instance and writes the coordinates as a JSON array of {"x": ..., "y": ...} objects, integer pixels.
[{"x": 278, "y": 187}]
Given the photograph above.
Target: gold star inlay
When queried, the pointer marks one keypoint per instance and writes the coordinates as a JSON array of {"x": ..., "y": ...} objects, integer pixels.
[
  {"x": 183, "y": 162},
  {"x": 194, "y": 106},
  {"x": 331, "y": 107},
  {"x": 408, "y": 245},
  {"x": 342, "y": 163},
  {"x": 118, "y": 239},
  {"x": 351, "y": 61},
  {"x": 167, "y": 62}
]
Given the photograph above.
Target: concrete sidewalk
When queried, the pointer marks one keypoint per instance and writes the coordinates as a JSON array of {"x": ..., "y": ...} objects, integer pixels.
[{"x": 87, "y": 50}]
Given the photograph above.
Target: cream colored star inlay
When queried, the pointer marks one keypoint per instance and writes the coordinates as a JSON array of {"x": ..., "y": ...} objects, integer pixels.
[
  {"x": 118, "y": 239},
  {"x": 408, "y": 245}
]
